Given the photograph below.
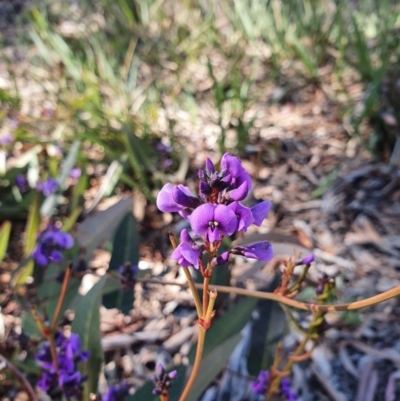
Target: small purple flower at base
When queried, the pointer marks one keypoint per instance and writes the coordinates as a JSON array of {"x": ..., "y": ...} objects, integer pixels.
[
  {"x": 162, "y": 380},
  {"x": 182, "y": 196},
  {"x": 260, "y": 251},
  {"x": 128, "y": 273},
  {"x": 165, "y": 200},
  {"x": 260, "y": 386},
  {"x": 117, "y": 392},
  {"x": 47, "y": 187},
  {"x": 213, "y": 221},
  {"x": 187, "y": 253},
  {"x": 20, "y": 182},
  {"x": 66, "y": 376},
  {"x": 50, "y": 244}
]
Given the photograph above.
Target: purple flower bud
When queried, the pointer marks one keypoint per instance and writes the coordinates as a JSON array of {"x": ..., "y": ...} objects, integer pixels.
[
  {"x": 220, "y": 260},
  {"x": 75, "y": 173},
  {"x": 308, "y": 259},
  {"x": 204, "y": 189},
  {"x": 162, "y": 380},
  {"x": 165, "y": 201},
  {"x": 187, "y": 253},
  {"x": 260, "y": 211},
  {"x": 213, "y": 221},
  {"x": 209, "y": 166},
  {"x": 239, "y": 193},
  {"x": 6, "y": 138},
  {"x": 184, "y": 197},
  {"x": 260, "y": 251}
]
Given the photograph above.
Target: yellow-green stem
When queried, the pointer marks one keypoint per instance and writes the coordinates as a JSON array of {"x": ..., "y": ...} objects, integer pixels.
[
  {"x": 195, "y": 294},
  {"x": 196, "y": 364},
  {"x": 206, "y": 283}
]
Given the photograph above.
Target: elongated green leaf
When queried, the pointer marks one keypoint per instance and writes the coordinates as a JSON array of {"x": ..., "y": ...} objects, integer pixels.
[
  {"x": 5, "y": 231},
  {"x": 212, "y": 365},
  {"x": 226, "y": 326},
  {"x": 125, "y": 249},
  {"x": 31, "y": 231},
  {"x": 87, "y": 324},
  {"x": 100, "y": 226}
]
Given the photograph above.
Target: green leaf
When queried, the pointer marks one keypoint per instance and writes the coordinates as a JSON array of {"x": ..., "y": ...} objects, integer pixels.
[
  {"x": 31, "y": 230},
  {"x": 226, "y": 326},
  {"x": 87, "y": 324},
  {"x": 212, "y": 365},
  {"x": 125, "y": 249},
  {"x": 5, "y": 231},
  {"x": 99, "y": 226}
]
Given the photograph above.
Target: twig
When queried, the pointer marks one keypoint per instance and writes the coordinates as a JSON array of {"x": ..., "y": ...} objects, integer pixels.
[{"x": 20, "y": 377}]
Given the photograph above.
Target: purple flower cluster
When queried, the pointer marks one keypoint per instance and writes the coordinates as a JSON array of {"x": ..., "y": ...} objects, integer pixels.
[
  {"x": 65, "y": 376},
  {"x": 260, "y": 386},
  {"x": 47, "y": 187},
  {"x": 216, "y": 212},
  {"x": 162, "y": 380},
  {"x": 50, "y": 244},
  {"x": 117, "y": 392}
]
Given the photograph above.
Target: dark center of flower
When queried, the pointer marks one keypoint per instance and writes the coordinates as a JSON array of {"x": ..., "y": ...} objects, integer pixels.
[{"x": 213, "y": 224}]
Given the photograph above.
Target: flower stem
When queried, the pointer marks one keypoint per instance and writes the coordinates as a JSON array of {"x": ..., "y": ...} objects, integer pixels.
[
  {"x": 195, "y": 294},
  {"x": 288, "y": 367},
  {"x": 384, "y": 296},
  {"x": 60, "y": 302},
  {"x": 196, "y": 364},
  {"x": 206, "y": 283},
  {"x": 20, "y": 377}
]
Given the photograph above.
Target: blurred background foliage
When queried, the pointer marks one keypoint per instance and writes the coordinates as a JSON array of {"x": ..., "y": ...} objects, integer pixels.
[{"x": 111, "y": 68}]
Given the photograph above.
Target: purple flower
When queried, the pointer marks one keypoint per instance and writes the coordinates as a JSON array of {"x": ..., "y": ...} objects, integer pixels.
[
  {"x": 260, "y": 386},
  {"x": 163, "y": 148},
  {"x": 243, "y": 214},
  {"x": 166, "y": 201},
  {"x": 260, "y": 251},
  {"x": 6, "y": 138},
  {"x": 240, "y": 181},
  {"x": 21, "y": 182},
  {"x": 162, "y": 380},
  {"x": 75, "y": 173},
  {"x": 67, "y": 377},
  {"x": 213, "y": 221},
  {"x": 47, "y": 187},
  {"x": 128, "y": 273},
  {"x": 187, "y": 253},
  {"x": 117, "y": 392},
  {"x": 50, "y": 244}
]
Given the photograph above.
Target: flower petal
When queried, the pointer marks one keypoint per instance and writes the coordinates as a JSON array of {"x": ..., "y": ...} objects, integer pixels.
[
  {"x": 200, "y": 218},
  {"x": 165, "y": 201},
  {"x": 260, "y": 211},
  {"x": 226, "y": 218}
]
